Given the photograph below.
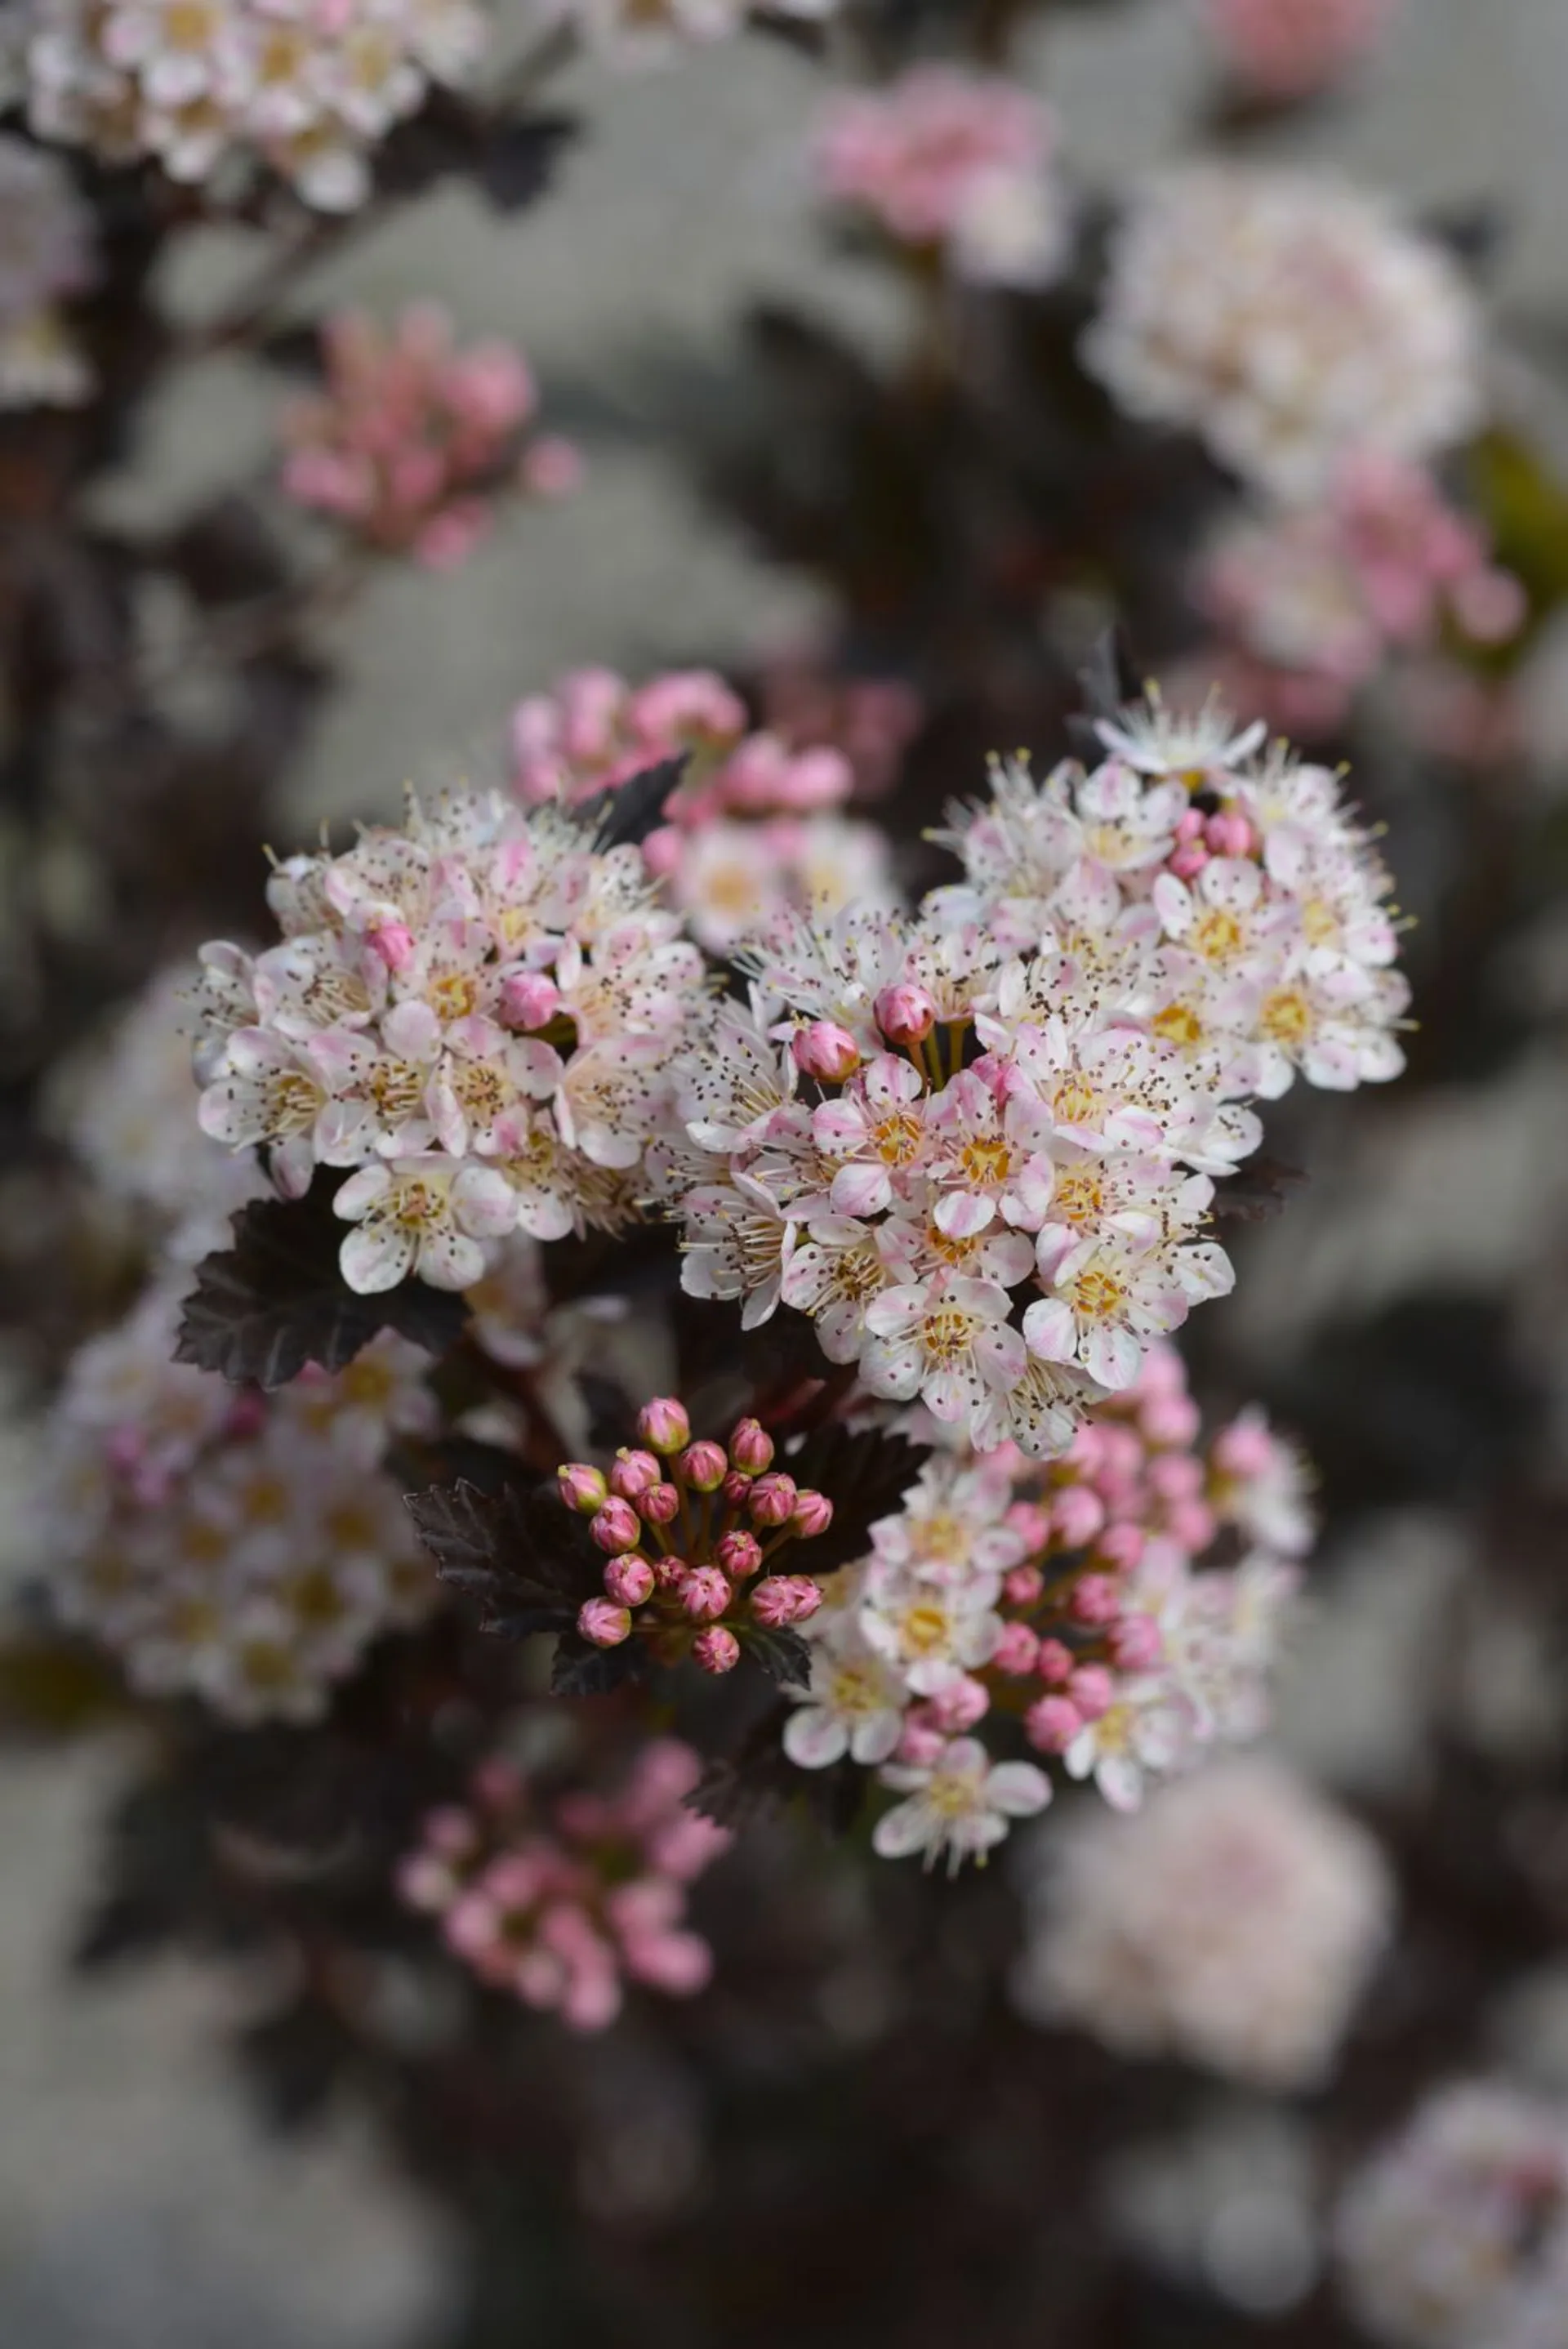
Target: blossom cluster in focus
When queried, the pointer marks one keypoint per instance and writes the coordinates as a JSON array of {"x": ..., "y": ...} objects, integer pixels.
[
  {"x": 979, "y": 1148},
  {"x": 308, "y": 87},
  {"x": 1068, "y": 1607},
  {"x": 562, "y": 1901},
  {"x": 410, "y": 438},
  {"x": 475, "y": 1014},
  {"x": 691, "y": 1534}
]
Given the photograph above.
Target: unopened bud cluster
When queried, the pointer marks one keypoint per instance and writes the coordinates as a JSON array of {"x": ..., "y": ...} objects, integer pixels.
[
  {"x": 690, "y": 1531},
  {"x": 563, "y": 1900}
]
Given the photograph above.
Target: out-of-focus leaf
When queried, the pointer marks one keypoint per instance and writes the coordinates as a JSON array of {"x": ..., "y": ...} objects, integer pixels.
[
  {"x": 637, "y": 807},
  {"x": 1260, "y": 1188},
  {"x": 518, "y": 159},
  {"x": 580, "y": 1669},
  {"x": 1526, "y": 507},
  {"x": 226, "y": 553},
  {"x": 782, "y": 1654}
]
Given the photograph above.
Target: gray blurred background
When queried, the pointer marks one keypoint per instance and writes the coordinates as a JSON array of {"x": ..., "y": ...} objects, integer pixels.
[{"x": 140, "y": 2207}]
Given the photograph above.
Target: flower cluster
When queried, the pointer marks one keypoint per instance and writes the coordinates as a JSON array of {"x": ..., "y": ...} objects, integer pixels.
[
  {"x": 201, "y": 85},
  {"x": 562, "y": 1900},
  {"x": 122, "y": 1103},
  {"x": 46, "y": 256},
  {"x": 640, "y": 33},
  {"x": 1289, "y": 321},
  {"x": 1283, "y": 50},
  {"x": 1455, "y": 2236},
  {"x": 1313, "y": 599},
  {"x": 1233, "y": 1923},
  {"x": 410, "y": 438},
  {"x": 691, "y": 1533},
  {"x": 244, "y": 1548},
  {"x": 1062, "y": 1602},
  {"x": 755, "y": 828},
  {"x": 952, "y": 163},
  {"x": 993, "y": 1193},
  {"x": 872, "y": 719},
  {"x": 475, "y": 1012}
]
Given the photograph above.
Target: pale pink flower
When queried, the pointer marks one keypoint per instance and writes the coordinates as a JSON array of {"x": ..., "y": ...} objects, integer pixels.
[
  {"x": 961, "y": 1803},
  {"x": 424, "y": 1216},
  {"x": 1234, "y": 1923},
  {"x": 1289, "y": 321},
  {"x": 1293, "y": 48},
  {"x": 950, "y": 1344},
  {"x": 952, "y": 160}
]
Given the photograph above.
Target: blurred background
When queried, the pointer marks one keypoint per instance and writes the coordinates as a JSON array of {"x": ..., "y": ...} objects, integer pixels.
[{"x": 1407, "y": 1311}]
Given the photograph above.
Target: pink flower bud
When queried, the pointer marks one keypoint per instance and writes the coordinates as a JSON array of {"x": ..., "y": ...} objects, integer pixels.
[
  {"x": 717, "y": 1650},
  {"x": 1092, "y": 1689},
  {"x": 660, "y": 1505},
  {"x": 739, "y": 1554},
  {"x": 1186, "y": 862},
  {"x": 1095, "y": 1599},
  {"x": 602, "y": 1622},
  {"x": 582, "y": 1488},
  {"x": 1018, "y": 1651},
  {"x": 616, "y": 1527},
  {"x": 1170, "y": 1419},
  {"x": 663, "y": 1426},
  {"x": 1136, "y": 1643},
  {"x": 786, "y": 1599},
  {"x": 633, "y": 1474},
  {"x": 1229, "y": 836},
  {"x": 920, "y": 1745},
  {"x": 1055, "y": 1662},
  {"x": 772, "y": 1499},
  {"x": 669, "y": 1573},
  {"x": 629, "y": 1580},
  {"x": 825, "y": 1050},
  {"x": 1247, "y": 1448},
  {"x": 1031, "y": 1523},
  {"x": 1076, "y": 1515},
  {"x": 737, "y": 1489},
  {"x": 907, "y": 1014},
  {"x": 1022, "y": 1585},
  {"x": 1193, "y": 1524},
  {"x": 813, "y": 1515},
  {"x": 394, "y": 943},
  {"x": 959, "y": 1705},
  {"x": 1120, "y": 1545},
  {"x": 750, "y": 1448},
  {"x": 529, "y": 999},
  {"x": 703, "y": 1594},
  {"x": 1052, "y": 1723},
  {"x": 703, "y": 1466}
]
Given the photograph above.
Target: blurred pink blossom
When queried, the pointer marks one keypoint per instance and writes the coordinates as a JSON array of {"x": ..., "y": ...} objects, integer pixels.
[{"x": 1292, "y": 49}]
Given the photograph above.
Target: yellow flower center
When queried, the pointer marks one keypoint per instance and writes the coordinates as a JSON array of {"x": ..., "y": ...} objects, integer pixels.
[
  {"x": 1285, "y": 1016},
  {"x": 1216, "y": 935},
  {"x": 897, "y": 1138},
  {"x": 986, "y": 1160},
  {"x": 1097, "y": 1294},
  {"x": 1178, "y": 1023}
]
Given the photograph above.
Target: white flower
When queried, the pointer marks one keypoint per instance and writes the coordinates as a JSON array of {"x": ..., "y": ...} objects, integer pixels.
[
  {"x": 1151, "y": 1730},
  {"x": 422, "y": 1216},
  {"x": 1193, "y": 746},
  {"x": 1289, "y": 320},
  {"x": 1235, "y": 1922},
  {"x": 1455, "y": 2234},
  {"x": 855, "y": 1705},
  {"x": 1107, "y": 1296},
  {"x": 949, "y": 1343},
  {"x": 961, "y": 1805},
  {"x": 930, "y": 1632}
]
